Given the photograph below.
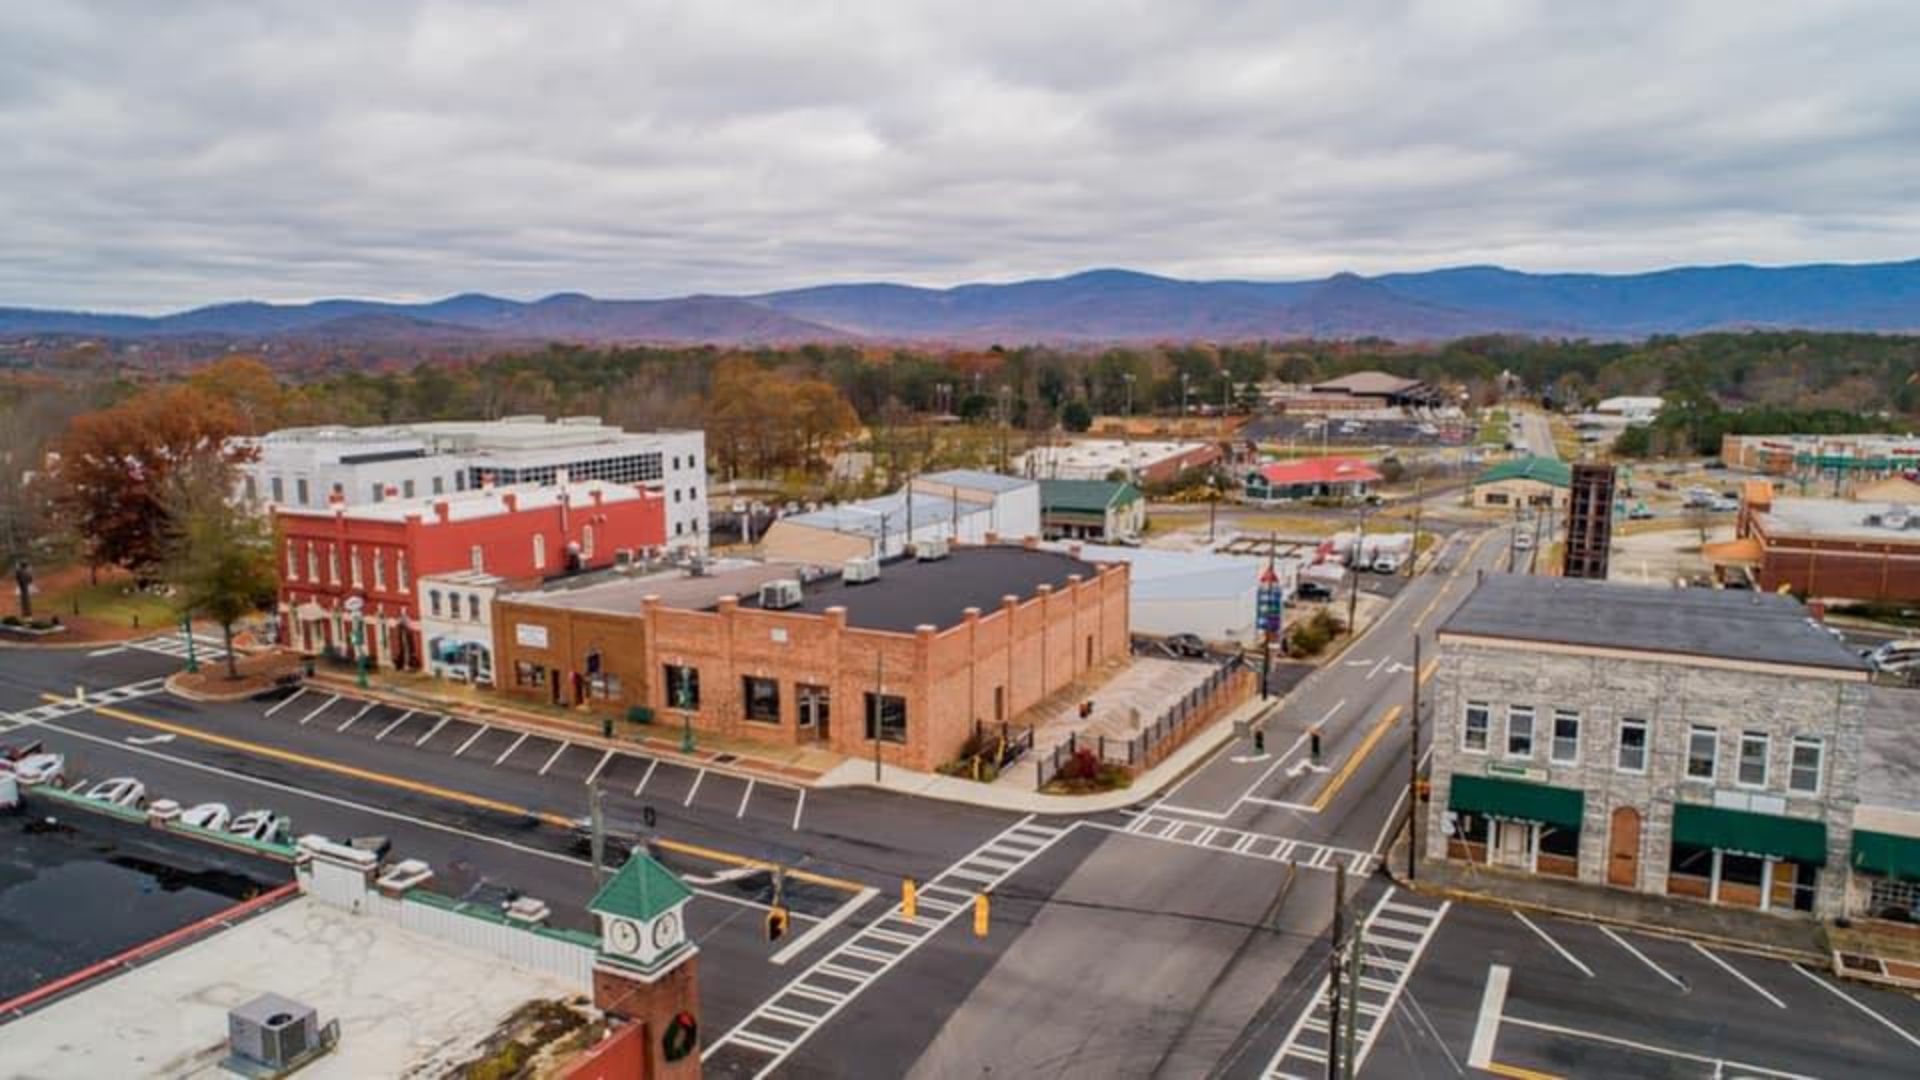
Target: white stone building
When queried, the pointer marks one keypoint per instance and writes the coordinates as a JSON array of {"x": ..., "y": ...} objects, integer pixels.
[
  {"x": 456, "y": 623},
  {"x": 1692, "y": 743},
  {"x": 304, "y": 467}
]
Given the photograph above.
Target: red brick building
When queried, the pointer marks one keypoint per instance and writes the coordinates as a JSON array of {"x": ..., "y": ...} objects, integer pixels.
[
  {"x": 924, "y": 651},
  {"x": 376, "y": 553},
  {"x": 1830, "y": 548}
]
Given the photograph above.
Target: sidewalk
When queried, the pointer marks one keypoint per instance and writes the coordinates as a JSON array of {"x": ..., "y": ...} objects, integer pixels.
[
  {"x": 785, "y": 764},
  {"x": 851, "y": 773}
]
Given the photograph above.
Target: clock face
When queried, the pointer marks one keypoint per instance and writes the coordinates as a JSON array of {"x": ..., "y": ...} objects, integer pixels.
[
  {"x": 623, "y": 936},
  {"x": 666, "y": 931}
]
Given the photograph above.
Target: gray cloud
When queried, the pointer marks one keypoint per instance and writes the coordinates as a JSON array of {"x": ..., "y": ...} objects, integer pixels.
[{"x": 160, "y": 156}]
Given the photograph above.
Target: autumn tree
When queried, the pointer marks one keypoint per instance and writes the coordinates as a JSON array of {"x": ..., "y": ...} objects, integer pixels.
[
  {"x": 110, "y": 482},
  {"x": 247, "y": 386},
  {"x": 219, "y": 555}
]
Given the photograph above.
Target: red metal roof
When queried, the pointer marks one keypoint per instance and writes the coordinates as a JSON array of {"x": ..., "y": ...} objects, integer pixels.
[{"x": 1326, "y": 470}]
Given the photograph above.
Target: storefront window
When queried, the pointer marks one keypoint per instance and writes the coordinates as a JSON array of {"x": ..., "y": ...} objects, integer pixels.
[
  {"x": 890, "y": 712},
  {"x": 529, "y": 676},
  {"x": 683, "y": 687},
  {"x": 762, "y": 698}
]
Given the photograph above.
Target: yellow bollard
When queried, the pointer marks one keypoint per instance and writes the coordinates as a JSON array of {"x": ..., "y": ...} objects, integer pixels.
[
  {"x": 909, "y": 899},
  {"x": 980, "y": 915}
]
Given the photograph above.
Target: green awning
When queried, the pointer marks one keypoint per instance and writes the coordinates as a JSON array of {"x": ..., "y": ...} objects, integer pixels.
[
  {"x": 1885, "y": 853},
  {"x": 1749, "y": 833},
  {"x": 1517, "y": 799}
]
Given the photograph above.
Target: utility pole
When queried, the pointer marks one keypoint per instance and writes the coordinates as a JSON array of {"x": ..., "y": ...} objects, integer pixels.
[
  {"x": 1414, "y": 556},
  {"x": 1356, "y": 938},
  {"x": 598, "y": 838},
  {"x": 1353, "y": 569},
  {"x": 1413, "y": 767},
  {"x": 1333, "y": 971}
]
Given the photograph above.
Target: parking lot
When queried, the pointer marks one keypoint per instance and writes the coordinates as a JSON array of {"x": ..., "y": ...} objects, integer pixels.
[{"x": 1535, "y": 996}]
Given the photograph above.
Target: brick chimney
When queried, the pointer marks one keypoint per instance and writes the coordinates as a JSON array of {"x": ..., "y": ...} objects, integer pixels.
[
  {"x": 510, "y": 500},
  {"x": 441, "y": 510}
]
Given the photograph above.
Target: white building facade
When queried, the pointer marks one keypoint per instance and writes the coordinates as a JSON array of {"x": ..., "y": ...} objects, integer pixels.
[
  {"x": 456, "y": 623},
  {"x": 306, "y": 467}
]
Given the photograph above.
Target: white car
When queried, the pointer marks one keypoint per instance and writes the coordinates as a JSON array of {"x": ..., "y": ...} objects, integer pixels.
[
  {"x": 119, "y": 791},
  {"x": 1895, "y": 656},
  {"x": 208, "y": 815},
  {"x": 1385, "y": 563},
  {"x": 262, "y": 825},
  {"x": 1522, "y": 541},
  {"x": 40, "y": 769}
]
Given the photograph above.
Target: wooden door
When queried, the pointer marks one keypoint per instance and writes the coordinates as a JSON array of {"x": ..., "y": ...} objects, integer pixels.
[{"x": 1623, "y": 850}]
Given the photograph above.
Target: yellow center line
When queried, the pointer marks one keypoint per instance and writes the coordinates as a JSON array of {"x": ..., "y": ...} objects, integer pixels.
[
  {"x": 1519, "y": 1073},
  {"x": 1433, "y": 665},
  {"x": 436, "y": 791},
  {"x": 1353, "y": 761}
]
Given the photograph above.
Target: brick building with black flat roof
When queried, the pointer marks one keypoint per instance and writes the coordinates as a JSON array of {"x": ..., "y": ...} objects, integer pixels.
[{"x": 913, "y": 658}]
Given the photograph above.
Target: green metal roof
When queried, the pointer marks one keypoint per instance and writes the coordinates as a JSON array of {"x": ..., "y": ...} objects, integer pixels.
[
  {"x": 1517, "y": 799},
  {"x": 1885, "y": 853},
  {"x": 1545, "y": 470},
  {"x": 1749, "y": 833},
  {"x": 641, "y": 890},
  {"x": 1084, "y": 496}
]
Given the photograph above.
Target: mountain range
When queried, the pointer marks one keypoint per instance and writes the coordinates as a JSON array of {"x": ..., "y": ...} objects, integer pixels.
[{"x": 1094, "y": 307}]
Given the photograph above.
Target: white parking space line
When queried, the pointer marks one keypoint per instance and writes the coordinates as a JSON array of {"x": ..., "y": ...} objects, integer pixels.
[
  {"x": 1557, "y": 947},
  {"x": 557, "y": 751},
  {"x": 824, "y": 926},
  {"x": 641, "y": 786},
  {"x": 1487, "y": 1029},
  {"x": 388, "y": 730},
  {"x": 324, "y": 706},
  {"x": 744, "y": 796},
  {"x": 508, "y": 752},
  {"x": 348, "y": 722},
  {"x": 1848, "y": 998},
  {"x": 1642, "y": 957},
  {"x": 471, "y": 739},
  {"x": 595, "y": 774},
  {"x": 285, "y": 701},
  {"x": 422, "y": 741},
  {"x": 797, "y": 807},
  {"x": 695, "y": 789},
  {"x": 1735, "y": 972},
  {"x": 1720, "y": 1066}
]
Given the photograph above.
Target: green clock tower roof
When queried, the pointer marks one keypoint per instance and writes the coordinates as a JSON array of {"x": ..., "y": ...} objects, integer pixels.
[{"x": 642, "y": 889}]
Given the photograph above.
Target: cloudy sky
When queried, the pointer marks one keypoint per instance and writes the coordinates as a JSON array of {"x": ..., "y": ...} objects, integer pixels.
[{"x": 159, "y": 156}]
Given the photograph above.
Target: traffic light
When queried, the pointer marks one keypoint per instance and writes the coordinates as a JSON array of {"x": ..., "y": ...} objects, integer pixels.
[
  {"x": 980, "y": 915},
  {"x": 777, "y": 919}
]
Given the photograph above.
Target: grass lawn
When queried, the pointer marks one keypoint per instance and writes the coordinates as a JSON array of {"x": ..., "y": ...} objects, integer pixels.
[
  {"x": 1493, "y": 427},
  {"x": 112, "y": 603}
]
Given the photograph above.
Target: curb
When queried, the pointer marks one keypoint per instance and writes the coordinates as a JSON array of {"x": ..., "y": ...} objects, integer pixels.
[{"x": 178, "y": 690}]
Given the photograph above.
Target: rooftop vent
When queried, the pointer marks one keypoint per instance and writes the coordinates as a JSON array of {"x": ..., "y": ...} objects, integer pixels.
[
  {"x": 863, "y": 569},
  {"x": 272, "y": 1036},
  {"x": 929, "y": 550},
  {"x": 780, "y": 595}
]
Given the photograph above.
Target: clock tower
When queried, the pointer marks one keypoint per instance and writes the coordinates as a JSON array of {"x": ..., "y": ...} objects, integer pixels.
[{"x": 645, "y": 971}]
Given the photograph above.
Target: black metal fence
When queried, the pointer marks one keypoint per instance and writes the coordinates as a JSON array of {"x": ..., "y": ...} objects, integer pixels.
[{"x": 1154, "y": 740}]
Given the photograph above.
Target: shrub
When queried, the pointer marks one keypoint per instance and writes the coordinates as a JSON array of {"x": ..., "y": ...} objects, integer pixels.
[
  {"x": 1081, "y": 766},
  {"x": 1310, "y": 636},
  {"x": 11, "y": 620}
]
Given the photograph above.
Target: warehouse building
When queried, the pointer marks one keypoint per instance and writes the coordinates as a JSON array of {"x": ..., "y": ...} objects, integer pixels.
[
  {"x": 1527, "y": 481},
  {"x": 960, "y": 506},
  {"x": 1693, "y": 743},
  {"x": 1134, "y": 460},
  {"x": 1833, "y": 548},
  {"x": 1098, "y": 510},
  {"x": 898, "y": 659}
]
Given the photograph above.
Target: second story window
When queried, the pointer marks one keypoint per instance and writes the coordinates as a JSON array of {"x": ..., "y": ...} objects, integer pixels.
[
  {"x": 1566, "y": 737},
  {"x": 473, "y": 606},
  {"x": 433, "y": 602},
  {"x": 1519, "y": 731},
  {"x": 1473, "y": 731},
  {"x": 379, "y": 569},
  {"x": 400, "y": 571},
  {"x": 1809, "y": 755},
  {"x": 313, "y": 564},
  {"x": 353, "y": 567},
  {"x": 293, "y": 564},
  {"x": 333, "y": 565},
  {"x": 1633, "y": 746},
  {"x": 1753, "y": 759}
]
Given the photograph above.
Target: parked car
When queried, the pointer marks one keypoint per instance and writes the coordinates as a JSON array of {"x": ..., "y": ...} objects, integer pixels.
[
  {"x": 379, "y": 845},
  {"x": 19, "y": 750},
  {"x": 1188, "y": 645},
  {"x": 262, "y": 825},
  {"x": 1896, "y": 657},
  {"x": 208, "y": 815},
  {"x": 40, "y": 769},
  {"x": 1312, "y": 590},
  {"x": 1523, "y": 541},
  {"x": 1386, "y": 563},
  {"x": 1641, "y": 512},
  {"x": 119, "y": 791}
]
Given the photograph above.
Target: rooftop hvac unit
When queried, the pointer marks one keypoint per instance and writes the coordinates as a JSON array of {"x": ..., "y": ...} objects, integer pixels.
[
  {"x": 929, "y": 550},
  {"x": 862, "y": 569},
  {"x": 780, "y": 595},
  {"x": 272, "y": 1036}
]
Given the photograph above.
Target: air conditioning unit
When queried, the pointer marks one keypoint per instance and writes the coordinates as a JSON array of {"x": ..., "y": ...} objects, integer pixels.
[
  {"x": 929, "y": 550},
  {"x": 864, "y": 568},
  {"x": 780, "y": 595},
  {"x": 272, "y": 1036}
]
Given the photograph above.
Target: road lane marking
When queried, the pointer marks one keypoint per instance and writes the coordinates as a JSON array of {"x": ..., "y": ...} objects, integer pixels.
[
  {"x": 1844, "y": 996},
  {"x": 1736, "y": 973},
  {"x": 1719, "y": 1065},
  {"x": 824, "y": 926},
  {"x": 1354, "y": 760},
  {"x": 422, "y": 741},
  {"x": 324, "y": 706},
  {"x": 595, "y": 774},
  {"x": 388, "y": 730},
  {"x": 652, "y": 764},
  {"x": 1383, "y": 661},
  {"x": 1642, "y": 957},
  {"x": 1557, "y": 947},
  {"x": 557, "y": 751},
  {"x": 797, "y": 807},
  {"x": 364, "y": 710},
  {"x": 285, "y": 701},
  {"x": 1518, "y": 1073},
  {"x": 695, "y": 789},
  {"x": 508, "y": 752},
  {"x": 744, "y": 796},
  {"x": 1433, "y": 665},
  {"x": 560, "y": 821},
  {"x": 471, "y": 739}
]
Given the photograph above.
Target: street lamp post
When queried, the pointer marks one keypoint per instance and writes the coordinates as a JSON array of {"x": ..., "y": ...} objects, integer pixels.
[
  {"x": 360, "y": 646},
  {"x": 684, "y": 702},
  {"x": 186, "y": 629}
]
